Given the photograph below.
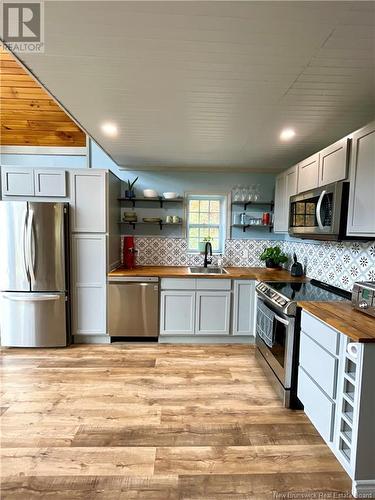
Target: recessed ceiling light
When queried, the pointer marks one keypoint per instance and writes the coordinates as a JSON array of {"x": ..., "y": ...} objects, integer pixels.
[
  {"x": 109, "y": 129},
  {"x": 287, "y": 134}
]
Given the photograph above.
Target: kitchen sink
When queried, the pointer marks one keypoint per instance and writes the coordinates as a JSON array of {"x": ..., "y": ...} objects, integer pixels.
[{"x": 207, "y": 270}]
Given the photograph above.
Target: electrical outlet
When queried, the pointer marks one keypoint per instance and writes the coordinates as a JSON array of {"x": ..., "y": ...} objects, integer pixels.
[{"x": 244, "y": 254}]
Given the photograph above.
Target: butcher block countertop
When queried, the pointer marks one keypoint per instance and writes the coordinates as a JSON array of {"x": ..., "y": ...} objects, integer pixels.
[
  {"x": 250, "y": 273},
  {"x": 356, "y": 325}
]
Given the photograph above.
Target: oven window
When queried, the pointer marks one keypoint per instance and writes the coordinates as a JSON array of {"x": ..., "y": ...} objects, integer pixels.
[
  {"x": 272, "y": 332},
  {"x": 278, "y": 348}
]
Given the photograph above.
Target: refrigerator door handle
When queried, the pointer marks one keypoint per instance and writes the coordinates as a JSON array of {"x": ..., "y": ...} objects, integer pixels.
[
  {"x": 29, "y": 297},
  {"x": 25, "y": 246},
  {"x": 31, "y": 246}
]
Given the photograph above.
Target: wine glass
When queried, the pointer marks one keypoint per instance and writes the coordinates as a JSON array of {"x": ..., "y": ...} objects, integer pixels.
[
  {"x": 251, "y": 192},
  {"x": 244, "y": 192},
  {"x": 257, "y": 192},
  {"x": 236, "y": 193}
]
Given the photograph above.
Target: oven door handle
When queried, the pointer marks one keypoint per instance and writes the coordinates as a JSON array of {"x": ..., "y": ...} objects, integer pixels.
[
  {"x": 318, "y": 207},
  {"x": 281, "y": 320}
]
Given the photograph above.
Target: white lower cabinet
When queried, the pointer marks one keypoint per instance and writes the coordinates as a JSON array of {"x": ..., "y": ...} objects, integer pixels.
[
  {"x": 203, "y": 307},
  {"x": 243, "y": 321},
  {"x": 177, "y": 312},
  {"x": 335, "y": 385},
  {"x": 89, "y": 290},
  {"x": 212, "y": 313},
  {"x": 318, "y": 406}
]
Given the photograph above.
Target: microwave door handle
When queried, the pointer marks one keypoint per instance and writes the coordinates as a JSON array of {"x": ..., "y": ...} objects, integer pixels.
[
  {"x": 281, "y": 320},
  {"x": 318, "y": 207}
]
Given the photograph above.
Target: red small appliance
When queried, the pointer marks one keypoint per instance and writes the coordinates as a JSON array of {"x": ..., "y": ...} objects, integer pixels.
[{"x": 129, "y": 252}]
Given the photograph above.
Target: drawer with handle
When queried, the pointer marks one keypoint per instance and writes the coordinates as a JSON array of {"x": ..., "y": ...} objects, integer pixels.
[
  {"x": 317, "y": 406},
  {"x": 319, "y": 364},
  {"x": 326, "y": 336}
]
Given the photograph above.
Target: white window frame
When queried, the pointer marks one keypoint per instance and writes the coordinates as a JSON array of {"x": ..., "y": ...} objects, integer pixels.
[{"x": 224, "y": 224}]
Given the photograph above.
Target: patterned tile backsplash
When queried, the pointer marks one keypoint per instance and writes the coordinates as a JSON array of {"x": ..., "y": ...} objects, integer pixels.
[{"x": 340, "y": 264}]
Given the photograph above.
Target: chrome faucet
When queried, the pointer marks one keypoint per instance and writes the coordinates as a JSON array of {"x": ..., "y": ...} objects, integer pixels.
[{"x": 208, "y": 247}]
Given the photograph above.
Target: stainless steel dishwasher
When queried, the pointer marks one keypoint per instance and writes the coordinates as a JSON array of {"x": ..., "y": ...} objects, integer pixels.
[{"x": 133, "y": 305}]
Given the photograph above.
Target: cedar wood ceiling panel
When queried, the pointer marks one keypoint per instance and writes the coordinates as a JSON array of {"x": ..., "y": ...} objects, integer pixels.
[
  {"x": 28, "y": 115},
  {"x": 211, "y": 84}
]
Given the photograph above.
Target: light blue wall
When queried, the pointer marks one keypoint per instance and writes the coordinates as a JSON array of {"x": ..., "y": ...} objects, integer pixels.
[
  {"x": 44, "y": 161},
  {"x": 183, "y": 182},
  {"x": 99, "y": 159}
]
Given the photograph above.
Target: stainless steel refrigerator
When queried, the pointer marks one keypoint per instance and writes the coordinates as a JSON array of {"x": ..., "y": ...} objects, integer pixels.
[{"x": 34, "y": 278}]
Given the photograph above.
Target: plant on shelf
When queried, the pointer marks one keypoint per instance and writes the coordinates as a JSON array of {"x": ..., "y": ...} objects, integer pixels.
[
  {"x": 273, "y": 256},
  {"x": 129, "y": 193},
  {"x": 202, "y": 244}
]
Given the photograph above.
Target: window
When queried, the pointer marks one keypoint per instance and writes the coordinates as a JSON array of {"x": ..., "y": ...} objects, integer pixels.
[{"x": 206, "y": 220}]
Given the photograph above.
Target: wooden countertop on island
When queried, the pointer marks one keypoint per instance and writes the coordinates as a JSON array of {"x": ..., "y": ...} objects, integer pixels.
[
  {"x": 250, "y": 273},
  {"x": 356, "y": 325}
]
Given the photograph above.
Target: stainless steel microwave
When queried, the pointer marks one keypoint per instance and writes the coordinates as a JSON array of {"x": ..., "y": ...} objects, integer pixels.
[{"x": 321, "y": 213}]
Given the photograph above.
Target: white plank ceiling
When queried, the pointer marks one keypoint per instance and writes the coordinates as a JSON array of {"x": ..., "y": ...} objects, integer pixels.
[{"x": 211, "y": 84}]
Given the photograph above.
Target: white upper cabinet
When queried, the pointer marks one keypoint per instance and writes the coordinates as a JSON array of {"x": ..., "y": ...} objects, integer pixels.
[
  {"x": 361, "y": 220},
  {"x": 280, "y": 204},
  {"x": 308, "y": 173},
  {"x": 291, "y": 183},
  {"x": 88, "y": 199},
  {"x": 333, "y": 163},
  {"x": 50, "y": 182},
  {"x": 286, "y": 186},
  {"x": 30, "y": 182},
  {"x": 17, "y": 181}
]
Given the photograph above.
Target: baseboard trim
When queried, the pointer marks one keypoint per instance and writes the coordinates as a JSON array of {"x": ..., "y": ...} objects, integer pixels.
[
  {"x": 206, "y": 339},
  {"x": 91, "y": 339},
  {"x": 364, "y": 488}
]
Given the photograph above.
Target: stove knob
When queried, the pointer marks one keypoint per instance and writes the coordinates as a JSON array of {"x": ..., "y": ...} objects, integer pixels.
[{"x": 363, "y": 305}]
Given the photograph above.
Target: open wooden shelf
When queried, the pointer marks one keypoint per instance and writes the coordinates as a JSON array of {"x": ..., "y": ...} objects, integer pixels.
[
  {"x": 160, "y": 224},
  {"x": 160, "y": 200},
  {"x": 245, "y": 226},
  {"x": 246, "y": 204}
]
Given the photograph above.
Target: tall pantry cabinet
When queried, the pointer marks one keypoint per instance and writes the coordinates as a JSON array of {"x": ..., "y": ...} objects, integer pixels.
[{"x": 95, "y": 250}]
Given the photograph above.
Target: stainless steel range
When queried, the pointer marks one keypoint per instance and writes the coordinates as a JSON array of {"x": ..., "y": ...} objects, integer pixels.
[{"x": 278, "y": 328}]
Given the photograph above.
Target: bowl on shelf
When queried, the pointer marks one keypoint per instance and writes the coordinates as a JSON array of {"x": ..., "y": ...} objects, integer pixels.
[
  {"x": 170, "y": 195},
  {"x": 150, "y": 193},
  {"x": 152, "y": 219}
]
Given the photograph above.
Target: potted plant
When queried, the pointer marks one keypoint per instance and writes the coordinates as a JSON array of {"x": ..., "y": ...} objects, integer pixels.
[
  {"x": 273, "y": 256},
  {"x": 202, "y": 244},
  {"x": 129, "y": 193}
]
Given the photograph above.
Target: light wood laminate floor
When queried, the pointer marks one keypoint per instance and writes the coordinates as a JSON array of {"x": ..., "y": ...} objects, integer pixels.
[{"x": 132, "y": 421}]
